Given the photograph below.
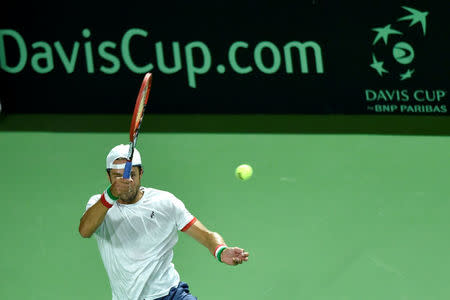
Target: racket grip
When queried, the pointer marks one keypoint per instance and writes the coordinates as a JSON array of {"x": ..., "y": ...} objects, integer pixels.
[{"x": 127, "y": 171}]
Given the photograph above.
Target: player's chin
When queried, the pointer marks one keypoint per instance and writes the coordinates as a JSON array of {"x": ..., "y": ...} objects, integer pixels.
[{"x": 129, "y": 197}]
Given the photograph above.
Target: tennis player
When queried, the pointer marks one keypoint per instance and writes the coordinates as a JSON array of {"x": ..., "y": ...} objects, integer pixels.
[{"x": 136, "y": 229}]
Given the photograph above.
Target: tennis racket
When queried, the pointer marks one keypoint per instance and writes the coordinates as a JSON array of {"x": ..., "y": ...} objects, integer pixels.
[{"x": 136, "y": 121}]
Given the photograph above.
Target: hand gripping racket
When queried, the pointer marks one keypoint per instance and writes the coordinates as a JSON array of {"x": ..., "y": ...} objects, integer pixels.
[{"x": 136, "y": 121}]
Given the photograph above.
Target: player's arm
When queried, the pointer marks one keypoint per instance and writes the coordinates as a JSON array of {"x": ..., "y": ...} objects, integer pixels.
[
  {"x": 214, "y": 241},
  {"x": 95, "y": 215},
  {"x": 92, "y": 219}
]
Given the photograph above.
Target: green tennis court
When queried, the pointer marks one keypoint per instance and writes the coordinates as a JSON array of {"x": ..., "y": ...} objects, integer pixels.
[{"x": 325, "y": 216}]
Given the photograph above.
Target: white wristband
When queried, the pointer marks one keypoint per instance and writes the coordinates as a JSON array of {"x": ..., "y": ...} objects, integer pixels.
[
  {"x": 109, "y": 197},
  {"x": 219, "y": 251}
]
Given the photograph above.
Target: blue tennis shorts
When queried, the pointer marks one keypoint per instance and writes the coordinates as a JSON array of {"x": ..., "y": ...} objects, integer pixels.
[{"x": 181, "y": 292}]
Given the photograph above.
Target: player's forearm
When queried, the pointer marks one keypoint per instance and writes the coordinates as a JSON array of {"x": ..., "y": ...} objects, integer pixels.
[
  {"x": 92, "y": 219},
  {"x": 212, "y": 241},
  {"x": 207, "y": 238}
]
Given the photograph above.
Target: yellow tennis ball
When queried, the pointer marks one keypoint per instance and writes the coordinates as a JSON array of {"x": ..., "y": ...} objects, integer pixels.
[{"x": 244, "y": 172}]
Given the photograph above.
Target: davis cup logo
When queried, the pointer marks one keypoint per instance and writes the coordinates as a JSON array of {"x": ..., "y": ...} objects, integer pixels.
[
  {"x": 401, "y": 66},
  {"x": 394, "y": 56}
]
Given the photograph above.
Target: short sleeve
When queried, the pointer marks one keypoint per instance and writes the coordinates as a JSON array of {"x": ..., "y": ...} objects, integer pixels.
[
  {"x": 92, "y": 201},
  {"x": 183, "y": 218}
]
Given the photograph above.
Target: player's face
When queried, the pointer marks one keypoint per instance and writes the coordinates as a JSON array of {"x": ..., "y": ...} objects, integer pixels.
[{"x": 136, "y": 174}]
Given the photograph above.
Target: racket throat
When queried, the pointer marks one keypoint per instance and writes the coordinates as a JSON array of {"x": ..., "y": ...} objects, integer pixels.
[{"x": 130, "y": 152}]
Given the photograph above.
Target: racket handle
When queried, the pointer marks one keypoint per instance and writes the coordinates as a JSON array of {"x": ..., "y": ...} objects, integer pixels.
[{"x": 127, "y": 171}]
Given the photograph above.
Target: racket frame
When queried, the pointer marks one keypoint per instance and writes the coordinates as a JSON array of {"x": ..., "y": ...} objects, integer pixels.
[{"x": 138, "y": 113}]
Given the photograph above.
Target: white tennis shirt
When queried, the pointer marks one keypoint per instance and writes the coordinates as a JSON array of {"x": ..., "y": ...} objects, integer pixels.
[{"x": 136, "y": 244}]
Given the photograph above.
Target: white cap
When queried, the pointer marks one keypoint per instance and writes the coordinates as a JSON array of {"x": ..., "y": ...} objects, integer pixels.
[{"x": 121, "y": 151}]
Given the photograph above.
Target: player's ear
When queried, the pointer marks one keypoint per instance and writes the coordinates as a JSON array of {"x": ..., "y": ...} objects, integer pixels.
[{"x": 108, "y": 175}]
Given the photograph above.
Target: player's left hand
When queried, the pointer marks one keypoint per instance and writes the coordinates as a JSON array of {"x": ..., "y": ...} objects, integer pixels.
[{"x": 234, "y": 256}]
